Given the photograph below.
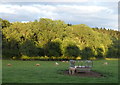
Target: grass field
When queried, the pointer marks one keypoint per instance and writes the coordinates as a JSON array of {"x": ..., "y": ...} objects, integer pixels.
[{"x": 48, "y": 72}]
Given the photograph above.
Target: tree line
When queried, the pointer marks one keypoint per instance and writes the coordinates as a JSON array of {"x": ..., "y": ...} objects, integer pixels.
[{"x": 55, "y": 38}]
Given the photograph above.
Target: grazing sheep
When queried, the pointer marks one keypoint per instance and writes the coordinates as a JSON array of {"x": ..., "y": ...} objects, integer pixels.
[
  {"x": 105, "y": 63},
  {"x": 9, "y": 64},
  {"x": 66, "y": 61},
  {"x": 71, "y": 70},
  {"x": 72, "y": 67},
  {"x": 37, "y": 64},
  {"x": 56, "y": 63}
]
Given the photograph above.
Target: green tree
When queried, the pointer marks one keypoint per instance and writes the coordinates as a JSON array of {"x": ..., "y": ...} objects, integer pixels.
[
  {"x": 87, "y": 52},
  {"x": 52, "y": 49},
  {"x": 72, "y": 51},
  {"x": 4, "y": 23}
]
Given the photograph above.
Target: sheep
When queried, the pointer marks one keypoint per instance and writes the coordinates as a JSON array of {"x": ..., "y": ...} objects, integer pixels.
[
  {"x": 105, "y": 63},
  {"x": 71, "y": 70},
  {"x": 56, "y": 63},
  {"x": 9, "y": 64},
  {"x": 72, "y": 67},
  {"x": 37, "y": 64}
]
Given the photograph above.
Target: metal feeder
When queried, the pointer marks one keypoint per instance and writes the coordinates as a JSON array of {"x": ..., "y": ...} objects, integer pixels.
[{"x": 81, "y": 65}]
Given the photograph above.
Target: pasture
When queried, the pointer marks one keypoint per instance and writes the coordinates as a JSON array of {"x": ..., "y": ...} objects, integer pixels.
[{"x": 48, "y": 72}]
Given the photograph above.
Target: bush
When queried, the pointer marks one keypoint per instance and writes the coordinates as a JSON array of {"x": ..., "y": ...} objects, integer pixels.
[
  {"x": 78, "y": 58},
  {"x": 92, "y": 58},
  {"x": 24, "y": 57}
]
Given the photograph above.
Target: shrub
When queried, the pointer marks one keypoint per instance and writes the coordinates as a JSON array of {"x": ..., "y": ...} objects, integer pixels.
[
  {"x": 24, "y": 57},
  {"x": 92, "y": 58},
  {"x": 78, "y": 58}
]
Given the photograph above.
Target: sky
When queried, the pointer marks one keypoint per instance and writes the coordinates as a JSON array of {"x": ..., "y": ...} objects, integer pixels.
[{"x": 94, "y": 13}]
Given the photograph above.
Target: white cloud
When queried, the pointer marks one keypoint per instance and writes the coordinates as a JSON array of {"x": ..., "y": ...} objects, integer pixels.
[
  {"x": 59, "y": 0},
  {"x": 24, "y": 21},
  {"x": 6, "y": 9},
  {"x": 75, "y": 9},
  {"x": 92, "y": 15},
  {"x": 45, "y": 0}
]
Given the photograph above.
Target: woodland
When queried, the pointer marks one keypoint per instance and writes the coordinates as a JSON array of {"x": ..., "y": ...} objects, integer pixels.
[{"x": 54, "y": 39}]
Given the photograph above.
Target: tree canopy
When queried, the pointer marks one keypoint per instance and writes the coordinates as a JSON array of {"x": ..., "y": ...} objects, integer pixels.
[{"x": 46, "y": 37}]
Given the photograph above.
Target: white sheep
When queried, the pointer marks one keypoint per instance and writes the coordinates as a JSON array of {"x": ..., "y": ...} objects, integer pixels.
[
  {"x": 9, "y": 64},
  {"x": 105, "y": 63},
  {"x": 71, "y": 70},
  {"x": 56, "y": 63},
  {"x": 37, "y": 64}
]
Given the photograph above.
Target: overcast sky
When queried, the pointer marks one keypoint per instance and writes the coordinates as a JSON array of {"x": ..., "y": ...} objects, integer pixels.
[{"x": 92, "y": 13}]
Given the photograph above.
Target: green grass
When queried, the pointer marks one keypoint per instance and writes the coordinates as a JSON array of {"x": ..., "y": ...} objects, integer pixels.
[{"x": 47, "y": 72}]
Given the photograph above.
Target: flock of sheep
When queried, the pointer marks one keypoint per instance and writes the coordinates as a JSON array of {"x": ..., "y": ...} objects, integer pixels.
[{"x": 56, "y": 63}]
